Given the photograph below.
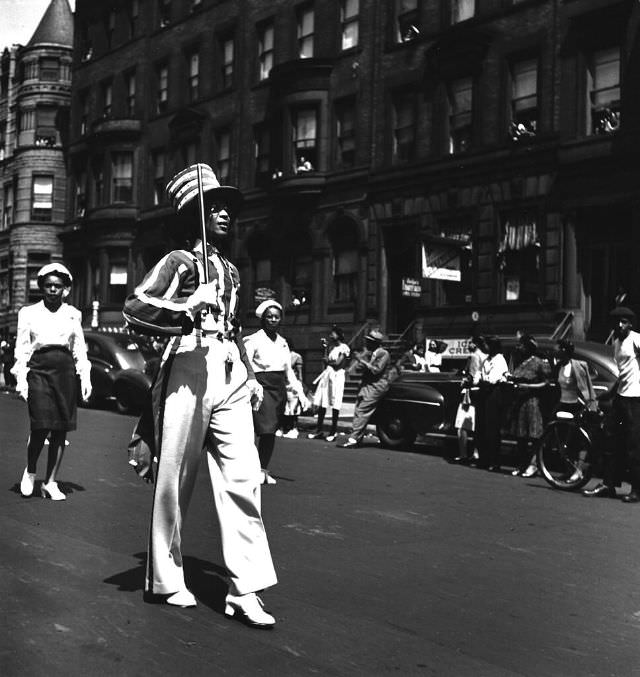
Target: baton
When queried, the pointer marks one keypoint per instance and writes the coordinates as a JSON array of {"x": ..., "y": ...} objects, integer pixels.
[{"x": 203, "y": 224}]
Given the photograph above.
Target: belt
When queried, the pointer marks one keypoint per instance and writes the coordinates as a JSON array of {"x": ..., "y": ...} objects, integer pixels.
[{"x": 220, "y": 335}]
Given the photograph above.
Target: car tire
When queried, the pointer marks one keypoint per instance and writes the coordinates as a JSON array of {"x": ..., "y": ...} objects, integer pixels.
[{"x": 395, "y": 433}]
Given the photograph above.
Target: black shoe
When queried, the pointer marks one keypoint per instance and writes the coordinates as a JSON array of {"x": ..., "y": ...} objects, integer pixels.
[
  {"x": 349, "y": 444},
  {"x": 461, "y": 460},
  {"x": 601, "y": 490},
  {"x": 631, "y": 497}
]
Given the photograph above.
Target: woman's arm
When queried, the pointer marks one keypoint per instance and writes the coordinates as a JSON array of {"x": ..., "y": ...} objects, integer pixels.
[{"x": 23, "y": 349}]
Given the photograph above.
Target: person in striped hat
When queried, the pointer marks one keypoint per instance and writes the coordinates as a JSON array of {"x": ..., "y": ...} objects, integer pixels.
[{"x": 202, "y": 399}]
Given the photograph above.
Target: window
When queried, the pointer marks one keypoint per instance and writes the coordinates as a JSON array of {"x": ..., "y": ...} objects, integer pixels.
[
  {"x": 162, "y": 100},
  {"x": 107, "y": 98},
  {"x": 305, "y": 32},
  {"x": 261, "y": 273},
  {"x": 46, "y": 132},
  {"x": 164, "y": 13},
  {"x": 407, "y": 20},
  {"x": 84, "y": 111},
  {"x": 110, "y": 27},
  {"x": 304, "y": 138},
  {"x": 265, "y": 50},
  {"x": 98, "y": 186},
  {"x": 130, "y": 84},
  {"x": 345, "y": 275},
  {"x": 5, "y": 283},
  {"x": 117, "y": 291},
  {"x": 228, "y": 57},
  {"x": 460, "y": 115},
  {"x": 461, "y": 10},
  {"x": 447, "y": 261},
  {"x": 29, "y": 70},
  {"x": 133, "y": 17},
  {"x": 519, "y": 257},
  {"x": 193, "y": 81},
  {"x": 349, "y": 10},
  {"x": 299, "y": 279},
  {"x": 27, "y": 120},
  {"x": 262, "y": 138},
  {"x": 404, "y": 126},
  {"x": 524, "y": 99},
  {"x": 42, "y": 198},
  {"x": 345, "y": 133},
  {"x": 159, "y": 162},
  {"x": 122, "y": 177},
  {"x": 35, "y": 261},
  {"x": 80, "y": 201},
  {"x": 603, "y": 86},
  {"x": 223, "y": 156},
  {"x": 3, "y": 139},
  {"x": 50, "y": 69},
  {"x": 7, "y": 206}
]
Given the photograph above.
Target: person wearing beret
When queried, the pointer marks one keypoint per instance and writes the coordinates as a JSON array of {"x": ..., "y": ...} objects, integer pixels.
[
  {"x": 50, "y": 352},
  {"x": 376, "y": 374},
  {"x": 202, "y": 401},
  {"x": 622, "y": 425},
  {"x": 270, "y": 359}
]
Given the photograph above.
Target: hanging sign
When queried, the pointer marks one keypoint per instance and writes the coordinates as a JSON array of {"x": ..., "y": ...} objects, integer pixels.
[
  {"x": 441, "y": 262},
  {"x": 411, "y": 287}
]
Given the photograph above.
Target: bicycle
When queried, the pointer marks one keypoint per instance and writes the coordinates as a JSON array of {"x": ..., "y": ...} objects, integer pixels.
[{"x": 565, "y": 453}]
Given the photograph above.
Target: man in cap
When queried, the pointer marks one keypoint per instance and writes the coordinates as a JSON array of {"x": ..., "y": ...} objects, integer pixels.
[
  {"x": 623, "y": 423},
  {"x": 375, "y": 363},
  {"x": 202, "y": 398}
]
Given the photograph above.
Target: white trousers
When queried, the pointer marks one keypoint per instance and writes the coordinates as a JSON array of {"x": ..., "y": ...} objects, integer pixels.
[{"x": 206, "y": 407}]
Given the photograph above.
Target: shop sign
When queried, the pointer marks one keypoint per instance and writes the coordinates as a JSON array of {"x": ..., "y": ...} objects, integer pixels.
[
  {"x": 411, "y": 287},
  {"x": 263, "y": 294},
  {"x": 456, "y": 348},
  {"x": 441, "y": 262}
]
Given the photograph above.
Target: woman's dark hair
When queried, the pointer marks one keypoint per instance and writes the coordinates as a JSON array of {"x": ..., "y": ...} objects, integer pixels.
[
  {"x": 567, "y": 347},
  {"x": 494, "y": 345},
  {"x": 338, "y": 332},
  {"x": 529, "y": 343}
]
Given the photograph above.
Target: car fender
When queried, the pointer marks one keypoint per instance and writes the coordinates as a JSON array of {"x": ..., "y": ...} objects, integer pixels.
[
  {"x": 131, "y": 387},
  {"x": 420, "y": 405}
]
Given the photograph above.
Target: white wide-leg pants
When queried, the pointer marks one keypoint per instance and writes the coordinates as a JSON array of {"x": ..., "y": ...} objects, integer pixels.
[{"x": 206, "y": 408}]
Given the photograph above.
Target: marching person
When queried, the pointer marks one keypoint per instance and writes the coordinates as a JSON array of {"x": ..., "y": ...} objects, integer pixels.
[
  {"x": 50, "y": 351},
  {"x": 202, "y": 399},
  {"x": 294, "y": 406},
  {"x": 330, "y": 383},
  {"x": 623, "y": 424},
  {"x": 376, "y": 378},
  {"x": 270, "y": 359}
]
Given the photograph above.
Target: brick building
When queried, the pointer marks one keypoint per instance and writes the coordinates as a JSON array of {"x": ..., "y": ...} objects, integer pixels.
[
  {"x": 35, "y": 93},
  {"x": 412, "y": 162}
]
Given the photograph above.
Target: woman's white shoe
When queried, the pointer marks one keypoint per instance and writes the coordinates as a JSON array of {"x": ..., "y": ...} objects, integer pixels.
[
  {"x": 52, "y": 491},
  {"x": 249, "y": 610},
  {"x": 182, "y": 598},
  {"x": 267, "y": 479},
  {"x": 27, "y": 483}
]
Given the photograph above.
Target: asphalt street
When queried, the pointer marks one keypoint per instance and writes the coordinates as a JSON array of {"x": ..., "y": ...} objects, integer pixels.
[{"x": 390, "y": 563}]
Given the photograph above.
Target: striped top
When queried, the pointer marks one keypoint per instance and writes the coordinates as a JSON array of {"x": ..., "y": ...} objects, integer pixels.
[{"x": 158, "y": 305}]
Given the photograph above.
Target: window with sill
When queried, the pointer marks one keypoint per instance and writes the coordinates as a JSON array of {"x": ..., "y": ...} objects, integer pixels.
[
  {"x": 223, "y": 156},
  {"x": 7, "y": 205},
  {"x": 118, "y": 275},
  {"x": 130, "y": 85},
  {"x": 80, "y": 196},
  {"x": 603, "y": 87},
  {"x": 349, "y": 21},
  {"x": 305, "y": 31},
  {"x": 193, "y": 80},
  {"x": 265, "y": 50},
  {"x": 98, "y": 186},
  {"x": 407, "y": 20},
  {"x": 49, "y": 69},
  {"x": 3, "y": 139},
  {"x": 460, "y": 115},
  {"x": 107, "y": 98},
  {"x": 461, "y": 10},
  {"x": 447, "y": 260},
  {"x": 46, "y": 132},
  {"x": 162, "y": 88},
  {"x": 403, "y": 126},
  {"x": 5, "y": 283},
  {"x": 345, "y": 133},
  {"x": 164, "y": 13},
  {"x": 42, "y": 197},
  {"x": 262, "y": 140},
  {"x": 261, "y": 270},
  {"x": 519, "y": 257},
  {"x": 84, "y": 112},
  {"x": 345, "y": 261},
  {"x": 524, "y": 99},
  {"x": 110, "y": 27},
  {"x": 26, "y": 120},
  {"x": 159, "y": 158},
  {"x": 35, "y": 261},
  {"x": 228, "y": 61},
  {"x": 122, "y": 177},
  {"x": 133, "y": 18},
  {"x": 304, "y": 128}
]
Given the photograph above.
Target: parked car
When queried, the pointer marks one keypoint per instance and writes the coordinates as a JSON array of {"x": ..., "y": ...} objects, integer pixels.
[
  {"x": 119, "y": 370},
  {"x": 420, "y": 402}
]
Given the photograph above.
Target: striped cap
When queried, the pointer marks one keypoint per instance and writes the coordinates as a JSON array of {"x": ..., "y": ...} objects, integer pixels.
[{"x": 182, "y": 190}]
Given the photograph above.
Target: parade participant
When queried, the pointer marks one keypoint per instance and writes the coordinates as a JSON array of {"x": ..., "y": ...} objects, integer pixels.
[
  {"x": 623, "y": 422},
  {"x": 270, "y": 359},
  {"x": 294, "y": 406},
  {"x": 50, "y": 351},
  {"x": 330, "y": 383},
  {"x": 202, "y": 399},
  {"x": 376, "y": 378}
]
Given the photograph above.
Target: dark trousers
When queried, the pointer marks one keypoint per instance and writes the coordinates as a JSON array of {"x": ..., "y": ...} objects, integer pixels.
[{"x": 622, "y": 448}]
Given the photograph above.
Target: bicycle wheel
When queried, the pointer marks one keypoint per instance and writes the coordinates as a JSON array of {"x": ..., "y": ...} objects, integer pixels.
[{"x": 563, "y": 454}]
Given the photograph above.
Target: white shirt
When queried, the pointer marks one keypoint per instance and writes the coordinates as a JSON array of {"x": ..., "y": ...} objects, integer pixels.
[
  {"x": 337, "y": 353},
  {"x": 627, "y": 353},
  {"x": 494, "y": 369},
  {"x": 268, "y": 355},
  {"x": 39, "y": 327}
]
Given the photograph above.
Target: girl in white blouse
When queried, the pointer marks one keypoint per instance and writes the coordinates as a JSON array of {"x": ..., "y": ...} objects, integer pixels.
[{"x": 50, "y": 351}]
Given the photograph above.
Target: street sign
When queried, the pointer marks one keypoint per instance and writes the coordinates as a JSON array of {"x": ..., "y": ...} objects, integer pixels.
[
  {"x": 263, "y": 294},
  {"x": 411, "y": 287}
]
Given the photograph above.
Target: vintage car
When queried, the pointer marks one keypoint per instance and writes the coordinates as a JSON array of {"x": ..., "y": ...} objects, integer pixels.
[
  {"x": 120, "y": 366},
  {"x": 419, "y": 402}
]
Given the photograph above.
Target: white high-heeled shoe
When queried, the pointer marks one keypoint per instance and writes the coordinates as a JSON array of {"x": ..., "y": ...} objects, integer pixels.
[
  {"x": 52, "y": 491},
  {"x": 27, "y": 483},
  {"x": 248, "y": 609},
  {"x": 182, "y": 598}
]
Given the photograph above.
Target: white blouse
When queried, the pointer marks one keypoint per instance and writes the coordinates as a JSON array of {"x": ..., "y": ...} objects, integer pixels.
[
  {"x": 494, "y": 369},
  {"x": 39, "y": 327},
  {"x": 268, "y": 355}
]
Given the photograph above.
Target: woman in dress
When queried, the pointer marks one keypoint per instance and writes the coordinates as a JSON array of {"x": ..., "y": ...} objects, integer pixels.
[
  {"x": 50, "y": 351},
  {"x": 330, "y": 383},
  {"x": 270, "y": 358},
  {"x": 526, "y": 423}
]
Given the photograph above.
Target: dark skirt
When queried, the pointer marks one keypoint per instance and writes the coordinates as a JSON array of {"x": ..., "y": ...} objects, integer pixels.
[
  {"x": 53, "y": 390},
  {"x": 267, "y": 419}
]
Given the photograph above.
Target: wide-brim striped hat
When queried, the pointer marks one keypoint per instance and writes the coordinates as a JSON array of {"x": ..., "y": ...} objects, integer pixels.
[{"x": 182, "y": 190}]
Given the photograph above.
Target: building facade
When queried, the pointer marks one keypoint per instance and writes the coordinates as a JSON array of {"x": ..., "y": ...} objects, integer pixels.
[
  {"x": 433, "y": 166},
  {"x": 35, "y": 93}
]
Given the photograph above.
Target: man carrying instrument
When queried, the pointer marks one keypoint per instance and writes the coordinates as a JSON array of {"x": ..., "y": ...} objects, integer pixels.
[{"x": 202, "y": 399}]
